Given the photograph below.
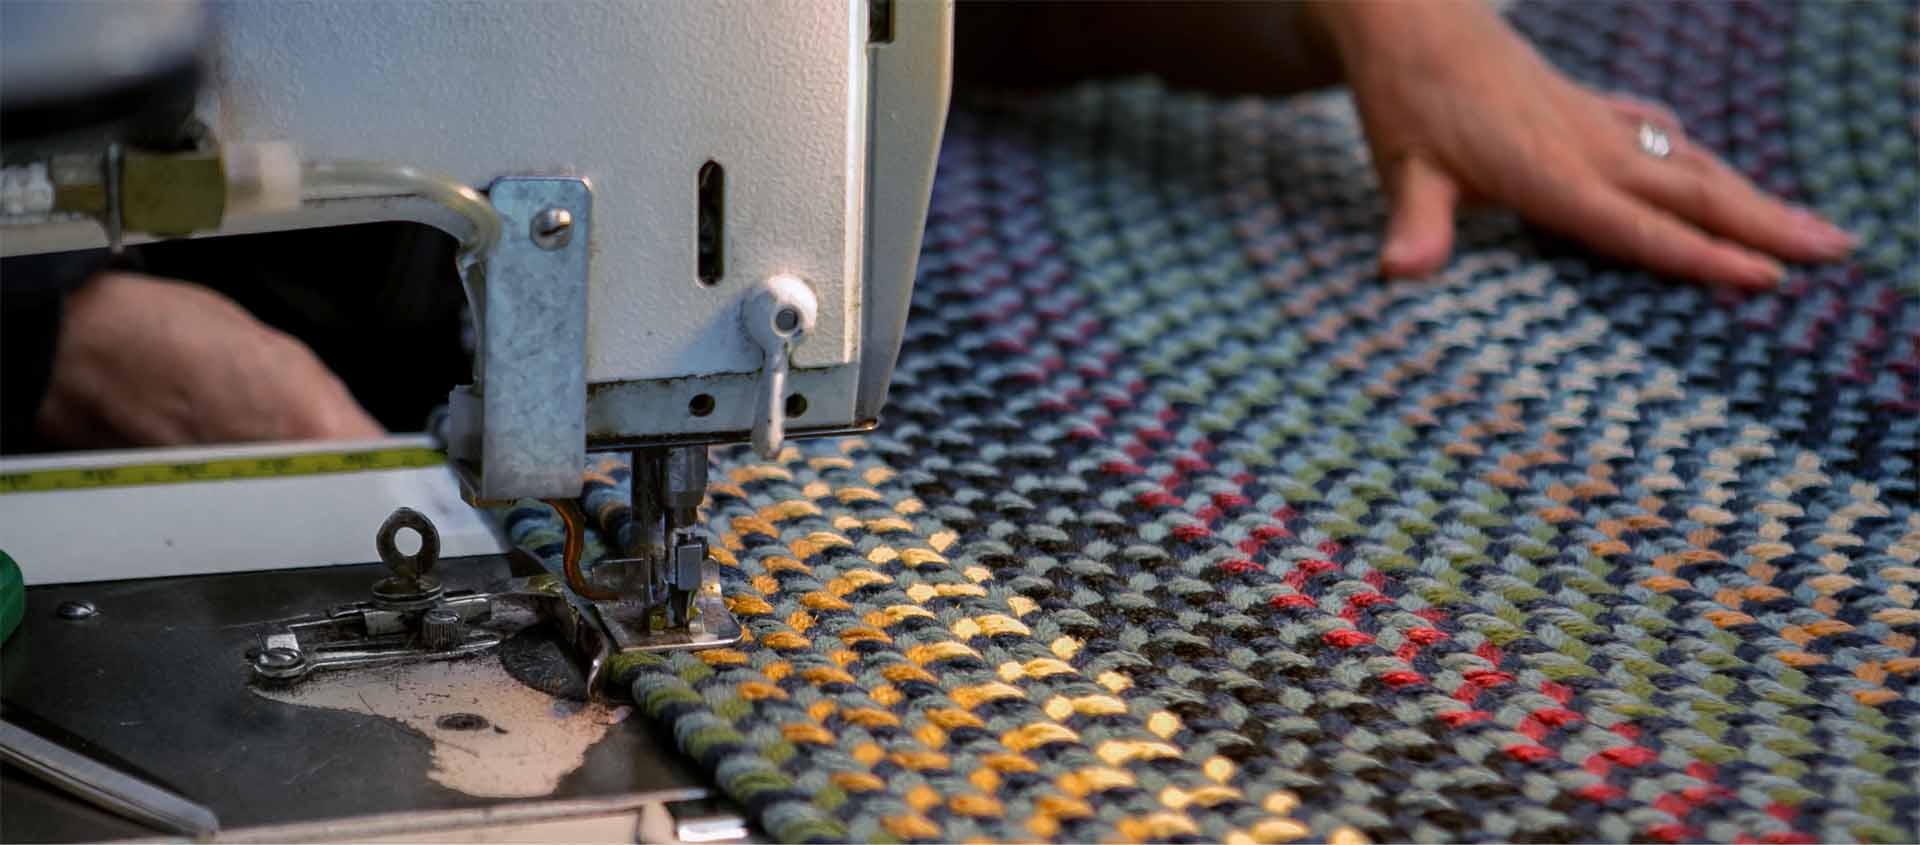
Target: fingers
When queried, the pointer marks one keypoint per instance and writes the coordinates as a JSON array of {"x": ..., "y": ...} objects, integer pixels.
[
  {"x": 316, "y": 404},
  {"x": 1621, "y": 225},
  {"x": 1420, "y": 233},
  {"x": 347, "y": 421},
  {"x": 1697, "y": 186},
  {"x": 1636, "y": 109},
  {"x": 323, "y": 415}
]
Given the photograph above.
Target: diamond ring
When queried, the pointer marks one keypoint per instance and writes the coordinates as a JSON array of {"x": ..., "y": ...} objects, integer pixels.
[{"x": 1655, "y": 141}]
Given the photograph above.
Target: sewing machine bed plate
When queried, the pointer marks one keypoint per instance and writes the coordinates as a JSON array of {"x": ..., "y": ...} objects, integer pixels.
[{"x": 156, "y": 684}]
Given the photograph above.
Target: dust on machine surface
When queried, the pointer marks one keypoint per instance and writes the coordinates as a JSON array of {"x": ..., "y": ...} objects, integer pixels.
[{"x": 700, "y": 228}]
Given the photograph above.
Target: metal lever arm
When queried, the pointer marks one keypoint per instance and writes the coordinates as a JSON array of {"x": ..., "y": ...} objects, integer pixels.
[
  {"x": 104, "y": 786},
  {"x": 777, "y": 317}
]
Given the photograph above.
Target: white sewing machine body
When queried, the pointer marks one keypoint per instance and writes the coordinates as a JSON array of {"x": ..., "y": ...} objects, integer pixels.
[
  {"x": 800, "y": 134},
  {"x": 823, "y": 133}
]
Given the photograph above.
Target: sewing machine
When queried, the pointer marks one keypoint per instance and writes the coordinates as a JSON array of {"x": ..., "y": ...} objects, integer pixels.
[{"x": 680, "y": 224}]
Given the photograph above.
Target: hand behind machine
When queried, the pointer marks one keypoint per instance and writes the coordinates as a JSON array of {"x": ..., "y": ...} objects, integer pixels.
[{"x": 149, "y": 361}]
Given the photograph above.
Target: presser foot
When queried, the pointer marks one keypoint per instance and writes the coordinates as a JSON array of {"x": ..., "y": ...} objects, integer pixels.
[
  {"x": 666, "y": 595},
  {"x": 655, "y": 606},
  {"x": 635, "y": 626}
]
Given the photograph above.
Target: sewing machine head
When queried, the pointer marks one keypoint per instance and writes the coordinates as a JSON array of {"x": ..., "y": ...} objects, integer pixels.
[{"x": 681, "y": 223}]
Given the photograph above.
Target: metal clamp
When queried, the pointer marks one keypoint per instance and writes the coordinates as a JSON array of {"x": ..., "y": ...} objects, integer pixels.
[{"x": 410, "y": 618}]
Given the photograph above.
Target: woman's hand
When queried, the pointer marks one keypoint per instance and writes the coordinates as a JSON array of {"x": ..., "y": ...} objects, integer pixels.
[
  {"x": 144, "y": 361},
  {"x": 1458, "y": 108}
]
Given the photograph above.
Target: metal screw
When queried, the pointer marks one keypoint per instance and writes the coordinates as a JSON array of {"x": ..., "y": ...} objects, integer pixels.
[
  {"x": 552, "y": 228},
  {"x": 787, "y": 320},
  {"x": 279, "y": 662},
  {"x": 74, "y": 611}
]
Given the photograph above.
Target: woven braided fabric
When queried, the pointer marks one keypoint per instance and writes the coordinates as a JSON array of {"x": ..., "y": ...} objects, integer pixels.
[{"x": 1183, "y": 525}]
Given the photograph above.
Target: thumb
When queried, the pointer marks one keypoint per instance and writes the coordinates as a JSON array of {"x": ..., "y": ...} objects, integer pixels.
[{"x": 1420, "y": 231}]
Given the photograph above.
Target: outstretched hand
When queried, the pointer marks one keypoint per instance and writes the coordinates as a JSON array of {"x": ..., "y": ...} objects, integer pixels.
[{"x": 1459, "y": 109}]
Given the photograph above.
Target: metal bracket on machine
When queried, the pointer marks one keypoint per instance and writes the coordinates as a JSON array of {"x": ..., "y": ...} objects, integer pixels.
[
  {"x": 413, "y": 619},
  {"x": 410, "y": 617},
  {"x": 431, "y": 625},
  {"x": 519, "y": 431}
]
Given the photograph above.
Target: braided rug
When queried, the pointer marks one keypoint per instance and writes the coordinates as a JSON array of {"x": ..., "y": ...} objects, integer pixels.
[{"x": 1183, "y": 525}]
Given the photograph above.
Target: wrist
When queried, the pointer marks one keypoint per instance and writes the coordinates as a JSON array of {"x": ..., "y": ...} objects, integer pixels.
[
  {"x": 1351, "y": 23},
  {"x": 1368, "y": 32}
]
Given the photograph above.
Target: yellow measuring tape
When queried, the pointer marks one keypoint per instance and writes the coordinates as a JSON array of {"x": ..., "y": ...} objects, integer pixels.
[{"x": 225, "y": 468}]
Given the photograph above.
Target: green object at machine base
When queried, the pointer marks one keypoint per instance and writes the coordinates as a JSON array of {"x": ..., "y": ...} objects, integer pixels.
[{"x": 13, "y": 596}]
